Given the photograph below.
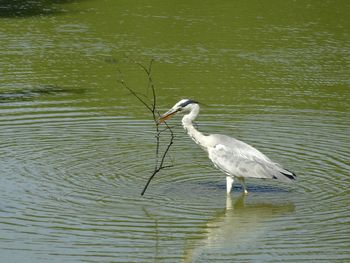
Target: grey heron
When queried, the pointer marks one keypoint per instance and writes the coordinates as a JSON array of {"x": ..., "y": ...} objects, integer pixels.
[{"x": 235, "y": 158}]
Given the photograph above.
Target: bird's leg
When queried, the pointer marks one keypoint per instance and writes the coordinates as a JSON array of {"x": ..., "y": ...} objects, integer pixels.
[
  {"x": 229, "y": 205},
  {"x": 229, "y": 183},
  {"x": 244, "y": 185}
]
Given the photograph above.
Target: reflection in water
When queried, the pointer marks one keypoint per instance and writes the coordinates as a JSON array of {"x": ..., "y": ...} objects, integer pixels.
[
  {"x": 237, "y": 225},
  {"x": 21, "y": 8},
  {"x": 30, "y": 93},
  {"x": 75, "y": 149},
  {"x": 156, "y": 233}
]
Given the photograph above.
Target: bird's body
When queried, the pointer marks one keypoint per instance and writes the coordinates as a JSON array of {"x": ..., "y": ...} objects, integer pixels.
[{"x": 235, "y": 158}]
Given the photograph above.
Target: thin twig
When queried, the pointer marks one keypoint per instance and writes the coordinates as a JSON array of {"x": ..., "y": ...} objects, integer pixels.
[
  {"x": 135, "y": 94},
  {"x": 159, "y": 162}
]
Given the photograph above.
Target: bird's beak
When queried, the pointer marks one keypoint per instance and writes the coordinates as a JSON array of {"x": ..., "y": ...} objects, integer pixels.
[{"x": 170, "y": 113}]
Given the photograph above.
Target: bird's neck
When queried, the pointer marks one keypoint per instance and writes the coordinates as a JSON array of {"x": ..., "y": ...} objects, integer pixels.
[{"x": 187, "y": 123}]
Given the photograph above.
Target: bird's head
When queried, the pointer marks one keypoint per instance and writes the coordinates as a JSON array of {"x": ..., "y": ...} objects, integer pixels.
[{"x": 184, "y": 105}]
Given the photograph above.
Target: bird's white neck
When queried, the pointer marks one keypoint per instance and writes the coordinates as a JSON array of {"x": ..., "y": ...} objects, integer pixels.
[{"x": 195, "y": 135}]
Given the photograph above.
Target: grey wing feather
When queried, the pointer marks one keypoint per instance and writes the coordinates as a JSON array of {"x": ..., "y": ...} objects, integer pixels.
[{"x": 239, "y": 159}]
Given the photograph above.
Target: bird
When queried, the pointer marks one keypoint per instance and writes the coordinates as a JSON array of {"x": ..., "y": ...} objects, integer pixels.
[{"x": 235, "y": 158}]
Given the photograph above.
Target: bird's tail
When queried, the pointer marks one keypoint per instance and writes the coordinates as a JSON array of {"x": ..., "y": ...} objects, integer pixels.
[{"x": 288, "y": 174}]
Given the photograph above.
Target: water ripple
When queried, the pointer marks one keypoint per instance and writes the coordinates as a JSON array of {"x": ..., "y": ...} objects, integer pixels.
[{"x": 76, "y": 170}]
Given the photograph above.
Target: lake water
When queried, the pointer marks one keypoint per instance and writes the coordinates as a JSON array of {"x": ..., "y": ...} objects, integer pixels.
[{"x": 77, "y": 148}]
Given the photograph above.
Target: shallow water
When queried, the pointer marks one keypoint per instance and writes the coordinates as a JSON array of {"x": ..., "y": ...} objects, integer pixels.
[{"x": 77, "y": 149}]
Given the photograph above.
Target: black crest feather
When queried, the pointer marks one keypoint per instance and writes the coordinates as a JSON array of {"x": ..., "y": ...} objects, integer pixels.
[{"x": 187, "y": 102}]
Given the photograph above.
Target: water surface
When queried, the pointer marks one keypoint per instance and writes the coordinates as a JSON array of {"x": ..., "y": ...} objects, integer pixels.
[{"x": 77, "y": 149}]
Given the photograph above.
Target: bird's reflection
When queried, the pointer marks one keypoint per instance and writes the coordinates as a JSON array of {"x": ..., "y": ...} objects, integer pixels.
[
  {"x": 237, "y": 224},
  {"x": 241, "y": 220}
]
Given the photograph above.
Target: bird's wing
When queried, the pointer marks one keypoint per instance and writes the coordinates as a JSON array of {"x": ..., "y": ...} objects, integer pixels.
[{"x": 239, "y": 159}]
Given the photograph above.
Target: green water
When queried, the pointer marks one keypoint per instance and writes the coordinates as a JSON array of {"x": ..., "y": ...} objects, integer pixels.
[{"x": 77, "y": 149}]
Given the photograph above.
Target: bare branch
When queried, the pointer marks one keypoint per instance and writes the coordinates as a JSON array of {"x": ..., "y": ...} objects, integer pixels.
[
  {"x": 135, "y": 94},
  {"x": 159, "y": 162},
  {"x": 150, "y": 84}
]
